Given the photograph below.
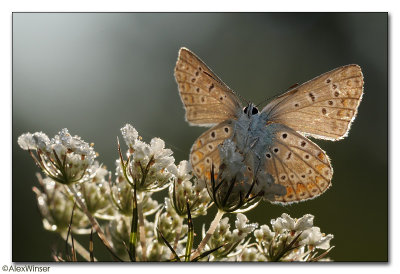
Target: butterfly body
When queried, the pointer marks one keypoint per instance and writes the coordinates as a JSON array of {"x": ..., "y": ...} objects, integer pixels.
[{"x": 268, "y": 148}]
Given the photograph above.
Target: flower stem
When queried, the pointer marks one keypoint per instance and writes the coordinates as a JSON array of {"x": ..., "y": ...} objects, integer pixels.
[
  {"x": 94, "y": 222},
  {"x": 177, "y": 236},
  {"x": 78, "y": 248},
  {"x": 209, "y": 233},
  {"x": 134, "y": 226},
  {"x": 142, "y": 233}
]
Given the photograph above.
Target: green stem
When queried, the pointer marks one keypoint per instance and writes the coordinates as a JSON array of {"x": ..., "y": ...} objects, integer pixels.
[
  {"x": 190, "y": 238},
  {"x": 78, "y": 248},
  {"x": 142, "y": 233},
  {"x": 134, "y": 228}
]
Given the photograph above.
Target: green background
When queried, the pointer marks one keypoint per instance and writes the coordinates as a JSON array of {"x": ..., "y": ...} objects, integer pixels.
[{"x": 95, "y": 72}]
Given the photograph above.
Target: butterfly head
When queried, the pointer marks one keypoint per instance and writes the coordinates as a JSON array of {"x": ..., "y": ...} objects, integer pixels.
[{"x": 250, "y": 110}]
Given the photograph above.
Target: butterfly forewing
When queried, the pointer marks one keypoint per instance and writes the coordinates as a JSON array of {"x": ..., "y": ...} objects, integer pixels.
[
  {"x": 206, "y": 98},
  {"x": 323, "y": 107},
  {"x": 298, "y": 164}
]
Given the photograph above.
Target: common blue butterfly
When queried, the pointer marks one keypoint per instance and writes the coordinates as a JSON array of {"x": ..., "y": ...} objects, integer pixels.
[{"x": 271, "y": 145}]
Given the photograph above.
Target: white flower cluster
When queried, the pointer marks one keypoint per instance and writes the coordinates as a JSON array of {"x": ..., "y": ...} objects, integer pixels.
[
  {"x": 95, "y": 193},
  {"x": 150, "y": 163},
  {"x": 122, "y": 196},
  {"x": 290, "y": 239},
  {"x": 170, "y": 224},
  {"x": 136, "y": 224},
  {"x": 184, "y": 191},
  {"x": 66, "y": 159},
  {"x": 55, "y": 206},
  {"x": 230, "y": 242}
]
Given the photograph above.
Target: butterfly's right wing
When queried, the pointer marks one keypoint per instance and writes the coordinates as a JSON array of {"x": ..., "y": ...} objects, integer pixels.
[
  {"x": 323, "y": 107},
  {"x": 297, "y": 164},
  {"x": 207, "y": 100}
]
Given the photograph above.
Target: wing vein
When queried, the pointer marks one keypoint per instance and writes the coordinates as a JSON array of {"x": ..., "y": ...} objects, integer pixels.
[{"x": 301, "y": 159}]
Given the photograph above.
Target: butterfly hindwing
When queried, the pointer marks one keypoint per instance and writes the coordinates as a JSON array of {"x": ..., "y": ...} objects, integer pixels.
[
  {"x": 207, "y": 100},
  {"x": 323, "y": 107},
  {"x": 298, "y": 164},
  {"x": 205, "y": 152}
]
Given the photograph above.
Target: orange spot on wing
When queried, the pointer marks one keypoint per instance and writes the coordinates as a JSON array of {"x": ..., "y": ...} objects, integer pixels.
[
  {"x": 289, "y": 193},
  {"x": 311, "y": 185},
  {"x": 289, "y": 190},
  {"x": 321, "y": 156},
  {"x": 199, "y": 143},
  {"x": 319, "y": 167},
  {"x": 199, "y": 155},
  {"x": 300, "y": 188}
]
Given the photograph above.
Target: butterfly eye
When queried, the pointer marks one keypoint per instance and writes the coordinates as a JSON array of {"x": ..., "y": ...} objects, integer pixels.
[{"x": 254, "y": 110}]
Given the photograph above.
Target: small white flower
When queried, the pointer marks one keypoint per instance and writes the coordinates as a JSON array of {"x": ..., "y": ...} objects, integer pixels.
[
  {"x": 251, "y": 254},
  {"x": 130, "y": 135},
  {"x": 37, "y": 140},
  {"x": 157, "y": 146},
  {"x": 314, "y": 237},
  {"x": 141, "y": 151},
  {"x": 41, "y": 140},
  {"x": 73, "y": 144},
  {"x": 25, "y": 141},
  {"x": 264, "y": 234},
  {"x": 224, "y": 224},
  {"x": 242, "y": 226},
  {"x": 304, "y": 222},
  {"x": 59, "y": 149},
  {"x": 285, "y": 222},
  {"x": 183, "y": 171},
  {"x": 324, "y": 242}
]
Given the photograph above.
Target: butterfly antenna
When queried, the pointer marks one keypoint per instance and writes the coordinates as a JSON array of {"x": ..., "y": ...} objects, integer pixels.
[
  {"x": 265, "y": 100},
  {"x": 241, "y": 98}
]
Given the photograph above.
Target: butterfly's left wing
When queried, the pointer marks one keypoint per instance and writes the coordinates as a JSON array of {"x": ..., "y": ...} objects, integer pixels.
[
  {"x": 205, "y": 152},
  {"x": 323, "y": 107},
  {"x": 207, "y": 100}
]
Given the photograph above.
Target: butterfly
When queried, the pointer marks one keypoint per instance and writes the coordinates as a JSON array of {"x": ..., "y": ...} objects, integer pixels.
[{"x": 272, "y": 141}]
